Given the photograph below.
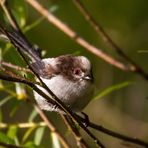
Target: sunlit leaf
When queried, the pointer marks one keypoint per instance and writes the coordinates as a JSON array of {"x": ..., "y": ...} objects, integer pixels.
[
  {"x": 12, "y": 131},
  {"x": 55, "y": 141},
  {"x": 39, "y": 135},
  {"x": 20, "y": 91},
  {"x": 15, "y": 106},
  {"x": 28, "y": 133},
  {"x": 1, "y": 116},
  {"x": 1, "y": 85},
  {"x": 39, "y": 20},
  {"x": 111, "y": 89},
  {"x": 5, "y": 100},
  {"x": 1, "y": 57},
  {"x": 34, "y": 24},
  {"x": 53, "y": 8},
  {"x": 33, "y": 115},
  {"x": 143, "y": 51}
]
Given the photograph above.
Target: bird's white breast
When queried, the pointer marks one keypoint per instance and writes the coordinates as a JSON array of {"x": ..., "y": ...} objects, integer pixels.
[{"x": 75, "y": 95}]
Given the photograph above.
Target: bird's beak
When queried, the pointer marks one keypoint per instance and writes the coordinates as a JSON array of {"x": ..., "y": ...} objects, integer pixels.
[{"x": 88, "y": 77}]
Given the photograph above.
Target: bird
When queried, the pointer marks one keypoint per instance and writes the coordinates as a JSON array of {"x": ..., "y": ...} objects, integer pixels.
[{"x": 68, "y": 76}]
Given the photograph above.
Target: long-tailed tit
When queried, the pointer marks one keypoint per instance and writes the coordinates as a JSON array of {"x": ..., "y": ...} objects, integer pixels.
[{"x": 68, "y": 77}]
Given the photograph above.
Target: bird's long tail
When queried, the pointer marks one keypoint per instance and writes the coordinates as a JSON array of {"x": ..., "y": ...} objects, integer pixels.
[{"x": 20, "y": 42}]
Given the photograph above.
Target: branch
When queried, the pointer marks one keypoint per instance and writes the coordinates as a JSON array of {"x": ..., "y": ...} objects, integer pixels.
[
  {"x": 74, "y": 36},
  {"x": 114, "y": 134},
  {"x": 22, "y": 80},
  {"x": 16, "y": 67},
  {"x": 9, "y": 15},
  {"x": 99, "y": 29},
  {"x": 62, "y": 106},
  {"x": 56, "y": 101},
  {"x": 51, "y": 126},
  {"x": 16, "y": 76},
  {"x": 98, "y": 52},
  {"x": 72, "y": 126},
  {"x": 12, "y": 77},
  {"x": 22, "y": 125}
]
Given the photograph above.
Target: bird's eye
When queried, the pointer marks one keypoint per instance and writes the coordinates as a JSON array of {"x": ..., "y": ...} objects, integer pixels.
[{"x": 77, "y": 71}]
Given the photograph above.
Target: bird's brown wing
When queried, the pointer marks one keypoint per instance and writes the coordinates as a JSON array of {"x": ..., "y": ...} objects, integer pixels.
[{"x": 44, "y": 70}]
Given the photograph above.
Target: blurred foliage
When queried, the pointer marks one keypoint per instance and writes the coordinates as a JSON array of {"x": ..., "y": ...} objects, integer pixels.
[
  {"x": 123, "y": 110},
  {"x": 110, "y": 89}
]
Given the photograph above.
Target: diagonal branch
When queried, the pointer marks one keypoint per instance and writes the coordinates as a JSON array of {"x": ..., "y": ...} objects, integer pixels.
[
  {"x": 55, "y": 99},
  {"x": 78, "y": 39},
  {"x": 81, "y": 143},
  {"x": 15, "y": 78},
  {"x": 115, "y": 134},
  {"x": 99, "y": 29},
  {"x": 51, "y": 126},
  {"x": 16, "y": 67},
  {"x": 58, "y": 102}
]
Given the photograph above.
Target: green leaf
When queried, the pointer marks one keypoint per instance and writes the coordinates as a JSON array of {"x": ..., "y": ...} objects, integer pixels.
[
  {"x": 20, "y": 91},
  {"x": 5, "y": 139},
  {"x": 33, "y": 25},
  {"x": 53, "y": 8},
  {"x": 5, "y": 100},
  {"x": 143, "y": 51},
  {"x": 1, "y": 116},
  {"x": 39, "y": 135},
  {"x": 28, "y": 133},
  {"x": 15, "y": 107},
  {"x": 12, "y": 132},
  {"x": 55, "y": 141},
  {"x": 1, "y": 55},
  {"x": 111, "y": 89},
  {"x": 30, "y": 144},
  {"x": 1, "y": 85},
  {"x": 33, "y": 115}
]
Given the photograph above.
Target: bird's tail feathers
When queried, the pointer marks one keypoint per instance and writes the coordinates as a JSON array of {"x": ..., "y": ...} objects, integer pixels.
[{"x": 19, "y": 41}]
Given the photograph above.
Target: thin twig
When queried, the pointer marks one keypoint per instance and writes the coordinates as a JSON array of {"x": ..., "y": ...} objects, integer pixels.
[
  {"x": 92, "y": 125},
  {"x": 17, "y": 28},
  {"x": 57, "y": 101},
  {"x": 22, "y": 80},
  {"x": 22, "y": 125},
  {"x": 6, "y": 78},
  {"x": 9, "y": 15},
  {"x": 73, "y": 35},
  {"x": 72, "y": 126},
  {"x": 16, "y": 78},
  {"x": 12, "y": 74},
  {"x": 60, "y": 104},
  {"x": 16, "y": 67},
  {"x": 99, "y": 29},
  {"x": 51, "y": 126},
  {"x": 114, "y": 134}
]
